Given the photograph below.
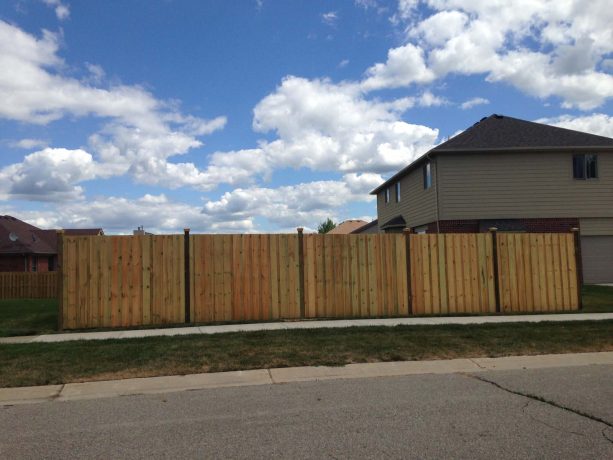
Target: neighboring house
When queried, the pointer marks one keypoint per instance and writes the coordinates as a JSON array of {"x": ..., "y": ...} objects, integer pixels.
[
  {"x": 140, "y": 231},
  {"x": 26, "y": 248},
  {"x": 515, "y": 175},
  {"x": 346, "y": 227},
  {"x": 370, "y": 227}
]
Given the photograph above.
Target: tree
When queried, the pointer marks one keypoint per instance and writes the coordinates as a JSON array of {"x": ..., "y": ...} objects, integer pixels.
[{"x": 326, "y": 226}]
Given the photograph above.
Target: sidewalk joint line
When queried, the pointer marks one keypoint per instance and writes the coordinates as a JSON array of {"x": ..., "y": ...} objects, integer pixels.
[
  {"x": 476, "y": 363},
  {"x": 59, "y": 393},
  {"x": 270, "y": 376}
]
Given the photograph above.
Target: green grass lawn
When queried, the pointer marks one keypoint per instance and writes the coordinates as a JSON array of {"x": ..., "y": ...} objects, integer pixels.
[
  {"x": 597, "y": 299},
  {"x": 51, "y": 363},
  {"x": 27, "y": 316},
  {"x": 36, "y": 316}
]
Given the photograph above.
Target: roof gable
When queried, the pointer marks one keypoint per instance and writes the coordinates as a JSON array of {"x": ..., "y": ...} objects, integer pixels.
[
  {"x": 502, "y": 132},
  {"x": 33, "y": 240},
  {"x": 29, "y": 239},
  {"x": 347, "y": 227}
]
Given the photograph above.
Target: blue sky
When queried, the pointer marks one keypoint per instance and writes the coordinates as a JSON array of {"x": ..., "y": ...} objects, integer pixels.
[{"x": 251, "y": 116}]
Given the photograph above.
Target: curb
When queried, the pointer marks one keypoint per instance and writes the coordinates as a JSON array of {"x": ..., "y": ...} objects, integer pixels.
[{"x": 176, "y": 383}]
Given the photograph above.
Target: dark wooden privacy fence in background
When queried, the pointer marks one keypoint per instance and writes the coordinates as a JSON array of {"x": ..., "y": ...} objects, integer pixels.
[
  {"x": 146, "y": 279},
  {"x": 23, "y": 285}
]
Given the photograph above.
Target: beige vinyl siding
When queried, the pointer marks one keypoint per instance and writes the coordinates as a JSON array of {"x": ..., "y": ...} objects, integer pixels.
[
  {"x": 417, "y": 206},
  {"x": 516, "y": 185},
  {"x": 597, "y": 253},
  {"x": 596, "y": 226}
]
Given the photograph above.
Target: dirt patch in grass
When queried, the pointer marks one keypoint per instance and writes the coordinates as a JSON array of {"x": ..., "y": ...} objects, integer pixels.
[{"x": 50, "y": 363}]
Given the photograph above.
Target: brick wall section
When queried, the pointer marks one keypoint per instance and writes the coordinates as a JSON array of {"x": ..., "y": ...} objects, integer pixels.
[
  {"x": 561, "y": 225},
  {"x": 11, "y": 263},
  {"x": 456, "y": 226},
  {"x": 541, "y": 225},
  {"x": 18, "y": 263}
]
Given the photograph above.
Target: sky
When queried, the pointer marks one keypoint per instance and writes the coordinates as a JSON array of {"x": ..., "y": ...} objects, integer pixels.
[{"x": 267, "y": 115}]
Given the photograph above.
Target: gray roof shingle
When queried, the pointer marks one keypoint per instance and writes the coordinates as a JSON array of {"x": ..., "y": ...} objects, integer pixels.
[{"x": 502, "y": 132}]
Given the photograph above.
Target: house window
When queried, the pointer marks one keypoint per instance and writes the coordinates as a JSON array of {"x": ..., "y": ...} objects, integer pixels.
[
  {"x": 397, "y": 192},
  {"x": 421, "y": 230},
  {"x": 34, "y": 263},
  {"x": 427, "y": 175},
  {"x": 51, "y": 263},
  {"x": 585, "y": 166},
  {"x": 387, "y": 195}
]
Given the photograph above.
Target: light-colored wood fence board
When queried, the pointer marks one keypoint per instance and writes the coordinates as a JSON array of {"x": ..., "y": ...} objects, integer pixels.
[
  {"x": 28, "y": 285},
  {"x": 566, "y": 300},
  {"x": 572, "y": 272},
  {"x": 452, "y": 273},
  {"x": 537, "y": 272},
  {"x": 355, "y": 275},
  {"x": 112, "y": 281},
  {"x": 244, "y": 277}
]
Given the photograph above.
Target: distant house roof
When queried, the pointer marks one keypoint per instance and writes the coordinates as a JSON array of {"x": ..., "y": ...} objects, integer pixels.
[
  {"x": 19, "y": 237},
  {"x": 347, "y": 227},
  {"x": 366, "y": 226},
  {"x": 508, "y": 134},
  {"x": 83, "y": 231}
]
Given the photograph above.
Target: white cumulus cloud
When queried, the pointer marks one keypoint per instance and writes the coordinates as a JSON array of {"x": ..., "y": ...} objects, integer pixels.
[
  {"x": 475, "y": 101},
  {"x": 545, "y": 48},
  {"x": 596, "y": 123},
  {"x": 51, "y": 174},
  {"x": 62, "y": 10},
  {"x": 143, "y": 133}
]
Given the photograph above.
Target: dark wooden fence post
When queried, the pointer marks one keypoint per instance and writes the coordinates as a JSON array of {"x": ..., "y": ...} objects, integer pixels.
[
  {"x": 407, "y": 240},
  {"x": 187, "y": 275},
  {"x": 494, "y": 232},
  {"x": 579, "y": 264},
  {"x": 60, "y": 279},
  {"x": 301, "y": 270}
]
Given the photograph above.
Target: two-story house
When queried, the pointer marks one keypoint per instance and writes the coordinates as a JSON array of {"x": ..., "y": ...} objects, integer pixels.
[{"x": 515, "y": 175}]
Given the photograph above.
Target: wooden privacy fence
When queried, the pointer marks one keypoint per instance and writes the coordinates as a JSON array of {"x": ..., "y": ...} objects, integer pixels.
[
  {"x": 244, "y": 277},
  {"x": 28, "y": 285},
  {"x": 493, "y": 272},
  {"x": 146, "y": 279},
  {"x": 112, "y": 281}
]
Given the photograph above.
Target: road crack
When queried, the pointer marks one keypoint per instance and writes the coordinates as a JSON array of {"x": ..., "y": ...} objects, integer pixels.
[
  {"x": 542, "y": 422},
  {"x": 546, "y": 401}
]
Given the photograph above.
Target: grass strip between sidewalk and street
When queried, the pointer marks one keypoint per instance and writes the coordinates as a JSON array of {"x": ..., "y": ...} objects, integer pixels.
[{"x": 53, "y": 363}]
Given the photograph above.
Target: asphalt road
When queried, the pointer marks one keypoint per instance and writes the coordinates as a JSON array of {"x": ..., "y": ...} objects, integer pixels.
[{"x": 425, "y": 416}]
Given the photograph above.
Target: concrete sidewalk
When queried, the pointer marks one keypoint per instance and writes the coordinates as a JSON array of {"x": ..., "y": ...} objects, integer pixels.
[
  {"x": 286, "y": 325},
  {"x": 171, "y": 384}
]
